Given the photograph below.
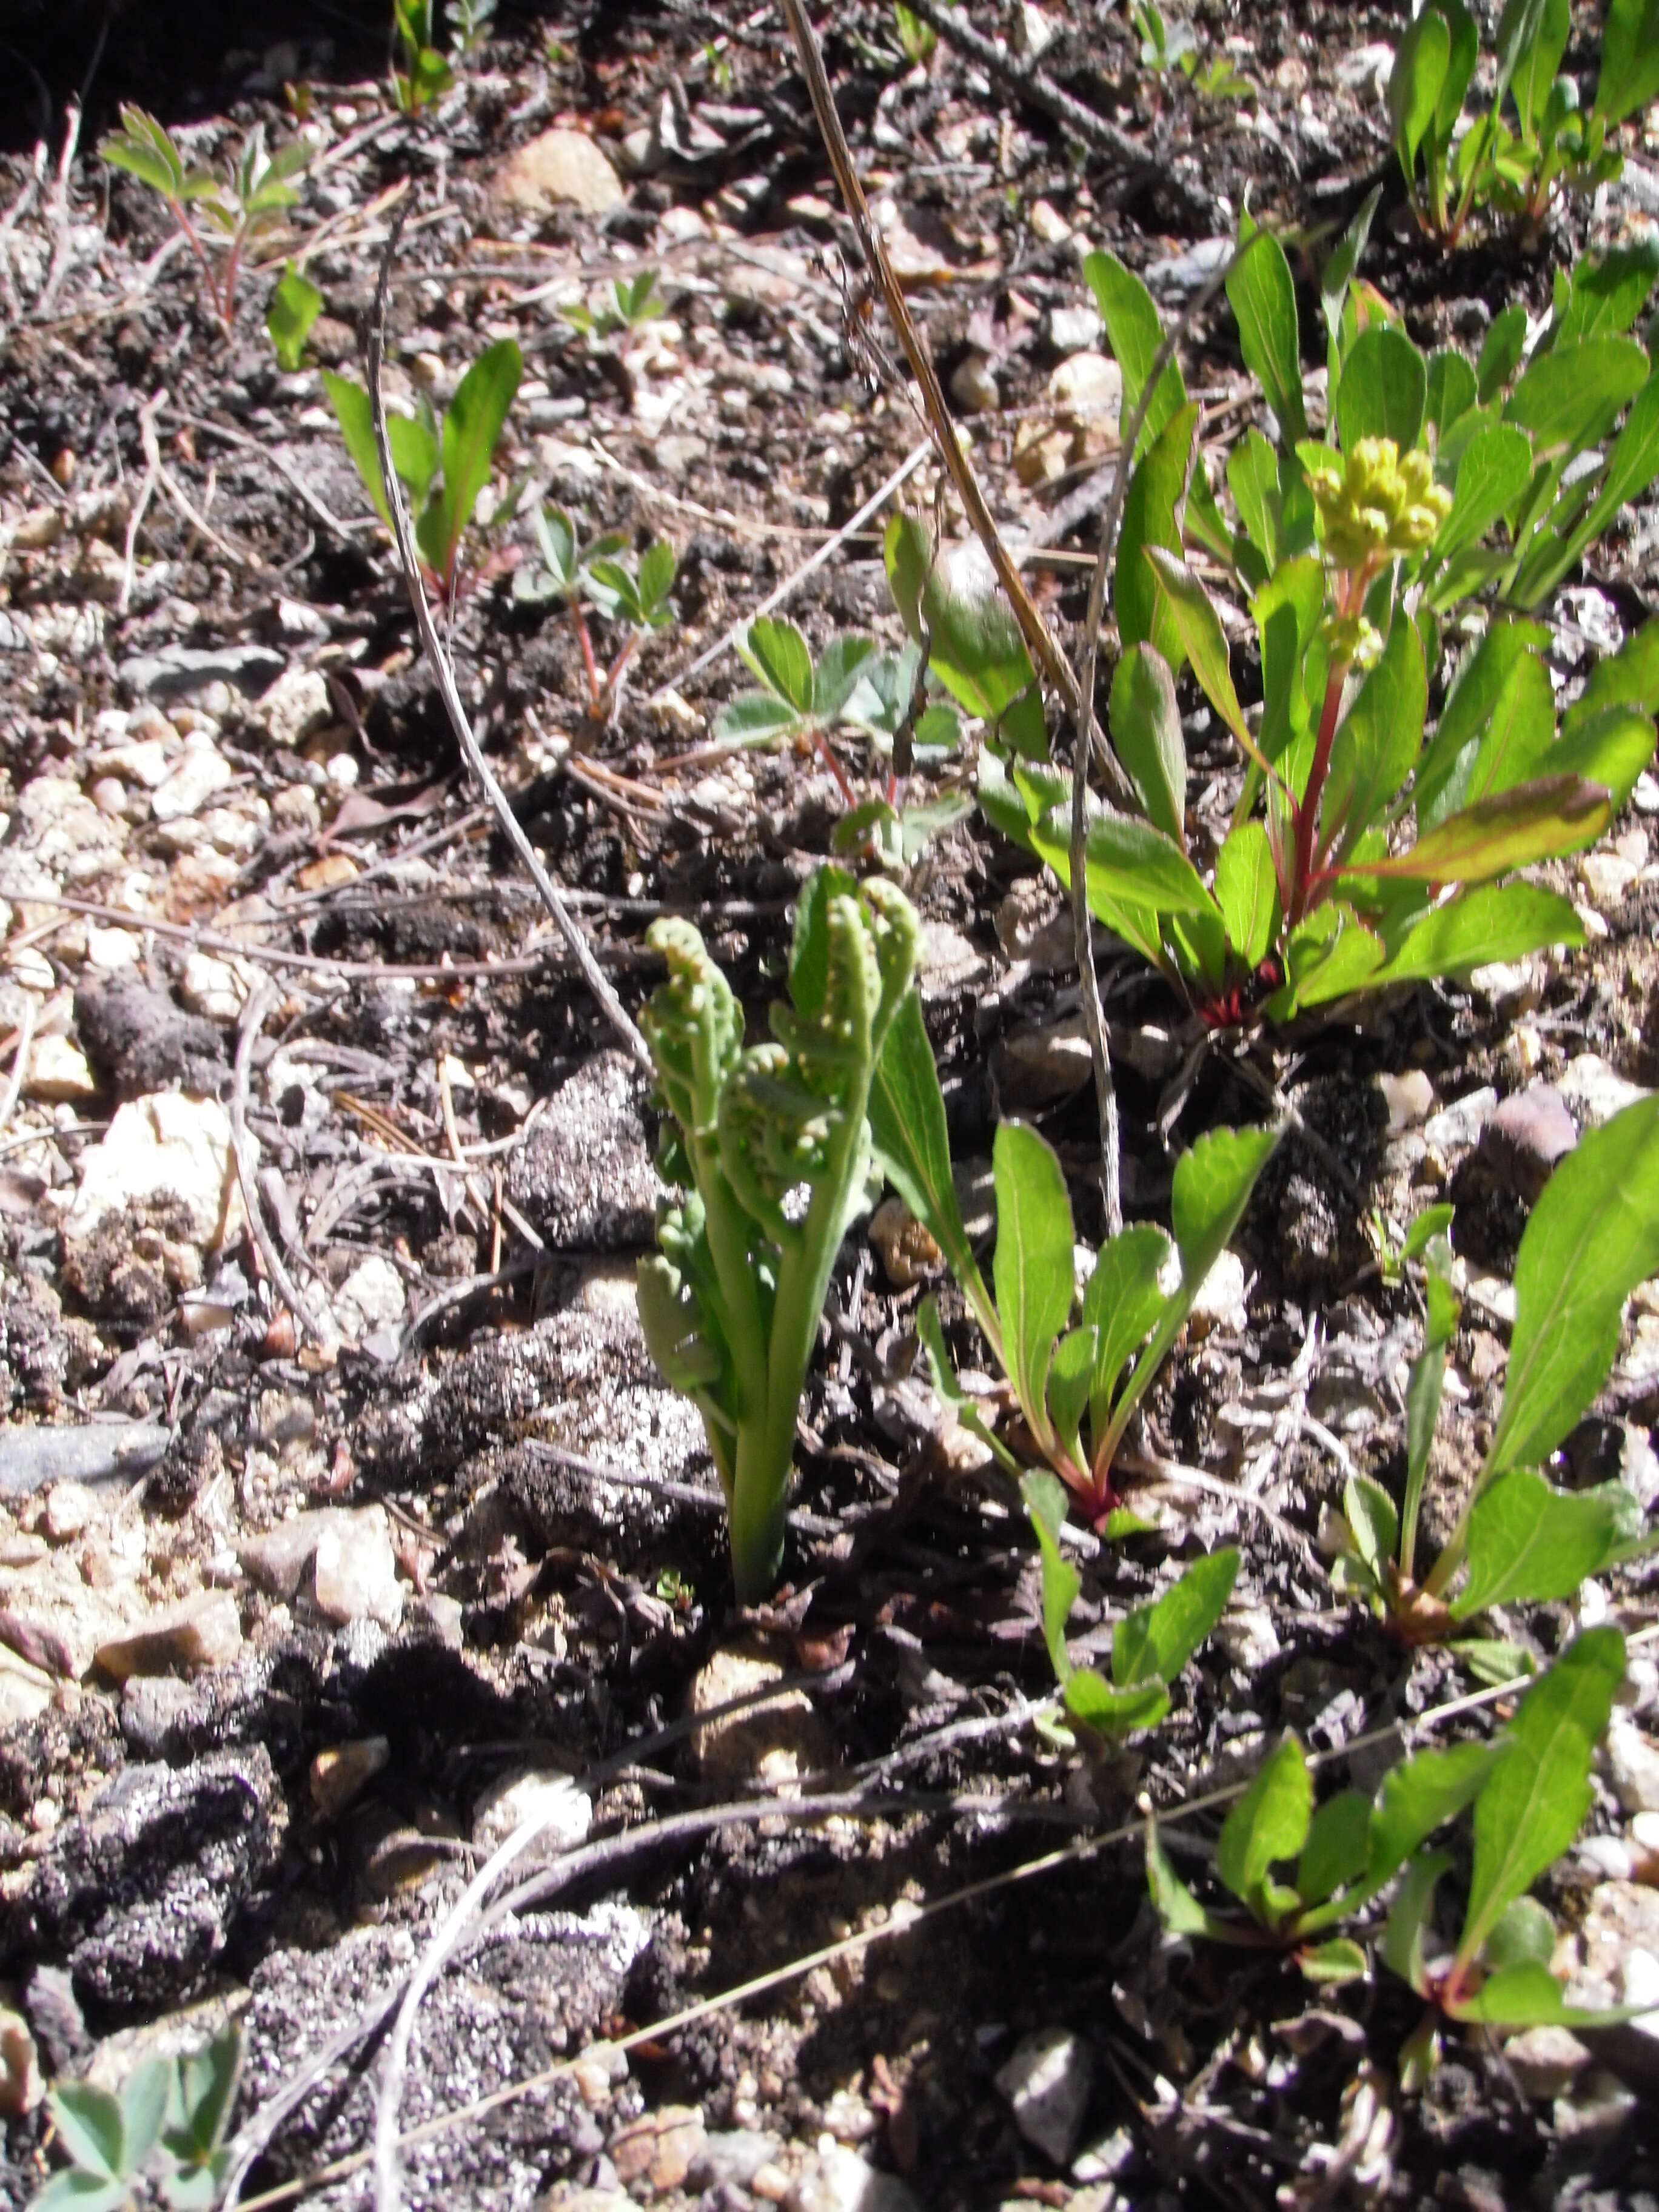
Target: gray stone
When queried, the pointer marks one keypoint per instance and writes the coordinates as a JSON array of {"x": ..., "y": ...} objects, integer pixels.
[
  {"x": 1525, "y": 1137},
  {"x": 1632, "y": 1762},
  {"x": 1175, "y": 273},
  {"x": 179, "y": 672},
  {"x": 732, "y": 2159},
  {"x": 585, "y": 1176},
  {"x": 1047, "y": 2083},
  {"x": 839, "y": 2180},
  {"x": 140, "y": 1895},
  {"x": 93, "y": 1452}
]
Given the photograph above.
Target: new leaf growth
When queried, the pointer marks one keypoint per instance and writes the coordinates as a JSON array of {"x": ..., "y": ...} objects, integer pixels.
[{"x": 771, "y": 1148}]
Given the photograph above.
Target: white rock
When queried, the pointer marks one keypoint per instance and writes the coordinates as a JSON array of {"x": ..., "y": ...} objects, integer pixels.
[
  {"x": 1366, "y": 70},
  {"x": 1047, "y": 2082},
  {"x": 371, "y": 1297},
  {"x": 1049, "y": 226},
  {"x": 1633, "y": 1760},
  {"x": 355, "y": 1571},
  {"x": 1220, "y": 1300},
  {"x": 559, "y": 169},
  {"x": 58, "y": 1072},
  {"x": 112, "y": 950},
  {"x": 1597, "y": 1089},
  {"x": 201, "y": 770},
  {"x": 296, "y": 706},
  {"x": 1074, "y": 329},
  {"x": 1408, "y": 1097},
  {"x": 69, "y": 1507},
  {"x": 564, "y": 1813},
  {"x": 1088, "y": 384},
  {"x": 839, "y": 2180},
  {"x": 1607, "y": 877},
  {"x": 1461, "y": 1123},
  {"x": 973, "y": 386},
  {"x": 1639, "y": 1985},
  {"x": 164, "y": 1148},
  {"x": 215, "y": 988}
]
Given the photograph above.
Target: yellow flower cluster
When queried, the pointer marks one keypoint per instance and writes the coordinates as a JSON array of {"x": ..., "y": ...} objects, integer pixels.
[
  {"x": 1352, "y": 641},
  {"x": 1378, "y": 503}
]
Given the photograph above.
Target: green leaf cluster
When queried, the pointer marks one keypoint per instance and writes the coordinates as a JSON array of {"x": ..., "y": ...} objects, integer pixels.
[
  {"x": 1078, "y": 1381},
  {"x": 228, "y": 211},
  {"x": 770, "y": 1146},
  {"x": 1299, "y": 1872},
  {"x": 1592, "y": 1237},
  {"x": 887, "y": 698},
  {"x": 443, "y": 465},
  {"x": 424, "y": 75},
  {"x": 624, "y": 305},
  {"x": 1531, "y": 139},
  {"x": 1150, "y": 1646},
  {"x": 1169, "y": 43},
  {"x": 1368, "y": 847},
  {"x": 167, "y": 2125}
]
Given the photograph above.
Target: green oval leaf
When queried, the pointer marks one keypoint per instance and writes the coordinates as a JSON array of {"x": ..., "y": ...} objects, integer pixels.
[
  {"x": 1033, "y": 1268},
  {"x": 1593, "y": 1236},
  {"x": 1535, "y": 1800},
  {"x": 1146, "y": 727}
]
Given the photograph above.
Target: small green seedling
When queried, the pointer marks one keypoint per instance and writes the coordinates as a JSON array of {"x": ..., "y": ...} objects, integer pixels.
[
  {"x": 1530, "y": 1806},
  {"x": 294, "y": 307},
  {"x": 1519, "y": 166},
  {"x": 917, "y": 40},
  {"x": 622, "y": 306},
  {"x": 1383, "y": 852},
  {"x": 167, "y": 2126},
  {"x": 1299, "y": 1873},
  {"x": 425, "y": 76},
  {"x": 444, "y": 466},
  {"x": 571, "y": 572},
  {"x": 1393, "y": 1259},
  {"x": 771, "y": 1148},
  {"x": 851, "y": 685},
  {"x": 1069, "y": 1380},
  {"x": 220, "y": 217},
  {"x": 1593, "y": 1236},
  {"x": 470, "y": 22},
  {"x": 1169, "y": 43},
  {"x": 1150, "y": 1646}
]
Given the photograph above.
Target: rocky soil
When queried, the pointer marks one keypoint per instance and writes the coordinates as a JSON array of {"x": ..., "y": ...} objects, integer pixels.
[{"x": 312, "y": 1590}]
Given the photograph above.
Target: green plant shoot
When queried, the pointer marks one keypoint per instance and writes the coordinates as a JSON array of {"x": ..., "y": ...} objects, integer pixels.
[
  {"x": 1072, "y": 1382},
  {"x": 444, "y": 466},
  {"x": 1150, "y": 1646},
  {"x": 1593, "y": 1236},
  {"x": 771, "y": 1147},
  {"x": 220, "y": 216}
]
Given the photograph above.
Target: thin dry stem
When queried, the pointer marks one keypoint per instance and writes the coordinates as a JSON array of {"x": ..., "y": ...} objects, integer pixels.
[{"x": 568, "y": 927}]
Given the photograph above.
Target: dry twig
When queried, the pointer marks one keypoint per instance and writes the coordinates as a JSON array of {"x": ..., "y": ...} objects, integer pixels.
[{"x": 568, "y": 927}]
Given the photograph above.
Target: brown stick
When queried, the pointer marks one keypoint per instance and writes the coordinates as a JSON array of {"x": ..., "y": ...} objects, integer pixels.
[
  {"x": 1044, "y": 651},
  {"x": 471, "y": 752}
]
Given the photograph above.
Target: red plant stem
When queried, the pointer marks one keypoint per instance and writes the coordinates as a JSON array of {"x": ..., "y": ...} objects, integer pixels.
[
  {"x": 1307, "y": 812},
  {"x": 595, "y": 687},
  {"x": 836, "y": 767}
]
